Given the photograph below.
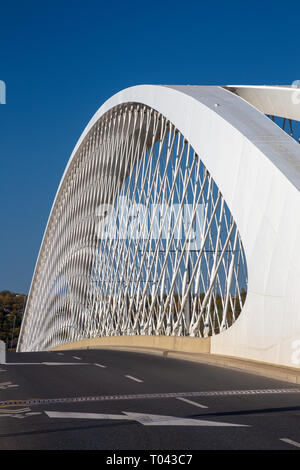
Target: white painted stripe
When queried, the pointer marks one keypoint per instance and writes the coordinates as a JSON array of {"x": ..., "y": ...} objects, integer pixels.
[
  {"x": 24, "y": 363},
  {"x": 64, "y": 363},
  {"x": 133, "y": 378},
  {"x": 78, "y": 358},
  {"x": 289, "y": 441},
  {"x": 100, "y": 365},
  {"x": 60, "y": 354},
  {"x": 5, "y": 385},
  {"x": 190, "y": 402},
  {"x": 142, "y": 418},
  {"x": 47, "y": 363},
  {"x": 16, "y": 411}
]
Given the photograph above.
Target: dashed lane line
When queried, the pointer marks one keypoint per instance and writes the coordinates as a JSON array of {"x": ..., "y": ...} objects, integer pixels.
[
  {"x": 133, "y": 378},
  {"x": 78, "y": 358},
  {"x": 145, "y": 396},
  {"x": 100, "y": 365},
  {"x": 5, "y": 385},
  {"x": 190, "y": 402},
  {"x": 289, "y": 441}
]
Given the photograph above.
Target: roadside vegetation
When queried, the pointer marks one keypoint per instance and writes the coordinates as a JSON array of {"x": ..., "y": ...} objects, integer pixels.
[{"x": 12, "y": 307}]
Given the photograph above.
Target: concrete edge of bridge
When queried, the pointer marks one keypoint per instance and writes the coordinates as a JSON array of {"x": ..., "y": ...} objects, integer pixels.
[{"x": 188, "y": 349}]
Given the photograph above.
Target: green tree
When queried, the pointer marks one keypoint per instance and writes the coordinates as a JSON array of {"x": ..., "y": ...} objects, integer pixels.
[{"x": 12, "y": 307}]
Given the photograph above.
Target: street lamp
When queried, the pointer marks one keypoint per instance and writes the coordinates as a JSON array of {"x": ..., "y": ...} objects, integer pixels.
[
  {"x": 13, "y": 330},
  {"x": 14, "y": 322}
]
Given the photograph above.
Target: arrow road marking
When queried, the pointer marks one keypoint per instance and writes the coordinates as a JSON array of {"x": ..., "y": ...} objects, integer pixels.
[
  {"x": 5, "y": 385},
  {"x": 144, "y": 419}
]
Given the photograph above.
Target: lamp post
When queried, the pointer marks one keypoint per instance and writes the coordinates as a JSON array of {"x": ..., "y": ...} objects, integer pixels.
[
  {"x": 13, "y": 330},
  {"x": 14, "y": 322}
]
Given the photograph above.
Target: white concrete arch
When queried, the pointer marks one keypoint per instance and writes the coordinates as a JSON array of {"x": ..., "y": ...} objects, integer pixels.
[
  {"x": 281, "y": 101},
  {"x": 256, "y": 166}
]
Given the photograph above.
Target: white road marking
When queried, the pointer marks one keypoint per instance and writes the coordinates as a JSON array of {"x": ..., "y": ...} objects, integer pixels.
[
  {"x": 146, "y": 396},
  {"x": 3, "y": 370},
  {"x": 133, "y": 378},
  {"x": 60, "y": 354},
  {"x": 47, "y": 363},
  {"x": 19, "y": 413},
  {"x": 78, "y": 358},
  {"x": 100, "y": 365},
  {"x": 5, "y": 385},
  {"x": 144, "y": 419},
  {"x": 64, "y": 363},
  {"x": 289, "y": 441},
  {"x": 24, "y": 363},
  {"x": 191, "y": 402}
]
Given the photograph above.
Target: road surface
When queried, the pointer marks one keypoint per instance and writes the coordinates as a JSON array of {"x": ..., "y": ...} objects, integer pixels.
[{"x": 117, "y": 400}]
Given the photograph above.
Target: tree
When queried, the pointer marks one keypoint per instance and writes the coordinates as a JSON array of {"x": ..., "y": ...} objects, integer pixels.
[{"x": 12, "y": 307}]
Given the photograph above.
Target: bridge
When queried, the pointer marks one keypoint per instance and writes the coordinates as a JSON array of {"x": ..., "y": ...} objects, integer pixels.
[{"x": 176, "y": 224}]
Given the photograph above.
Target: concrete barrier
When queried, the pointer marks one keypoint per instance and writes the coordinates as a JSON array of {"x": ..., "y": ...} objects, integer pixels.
[
  {"x": 188, "y": 349},
  {"x": 158, "y": 343}
]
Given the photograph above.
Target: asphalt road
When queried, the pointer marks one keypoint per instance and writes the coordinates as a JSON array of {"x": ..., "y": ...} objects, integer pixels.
[{"x": 116, "y": 400}]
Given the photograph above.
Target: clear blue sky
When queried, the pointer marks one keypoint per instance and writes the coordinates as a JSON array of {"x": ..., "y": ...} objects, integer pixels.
[{"x": 61, "y": 59}]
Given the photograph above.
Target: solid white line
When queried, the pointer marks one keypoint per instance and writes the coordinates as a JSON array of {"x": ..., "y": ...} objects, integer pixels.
[
  {"x": 100, "y": 365},
  {"x": 289, "y": 441},
  {"x": 64, "y": 363},
  {"x": 24, "y": 363},
  {"x": 47, "y": 363},
  {"x": 191, "y": 402},
  {"x": 78, "y": 358},
  {"x": 133, "y": 378}
]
